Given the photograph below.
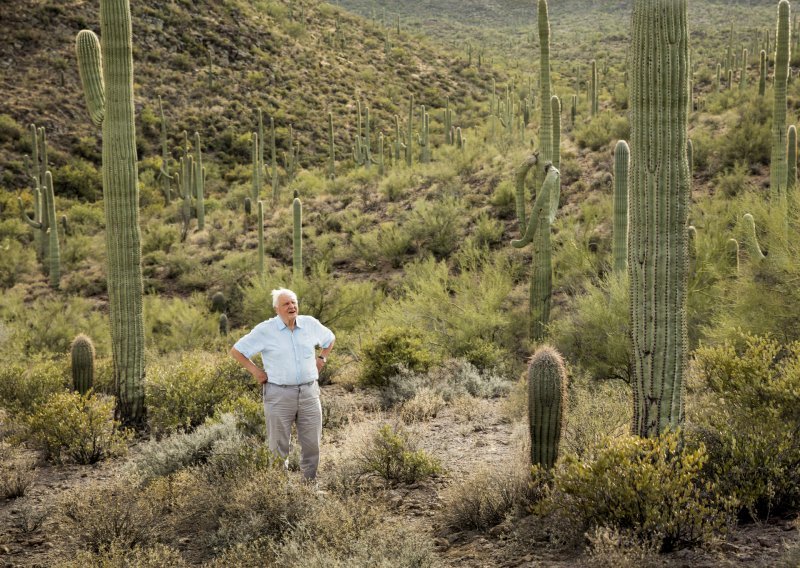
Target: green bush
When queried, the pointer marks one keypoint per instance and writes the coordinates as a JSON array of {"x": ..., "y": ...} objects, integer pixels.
[
  {"x": 388, "y": 243},
  {"x": 601, "y": 130},
  {"x": 183, "y": 393},
  {"x": 16, "y": 260},
  {"x": 748, "y": 136},
  {"x": 393, "y": 350},
  {"x": 28, "y": 383},
  {"x": 80, "y": 179},
  {"x": 391, "y": 455},
  {"x": 750, "y": 422},
  {"x": 651, "y": 487},
  {"x": 78, "y": 428},
  {"x": 437, "y": 226},
  {"x": 178, "y": 324},
  {"x": 592, "y": 330}
]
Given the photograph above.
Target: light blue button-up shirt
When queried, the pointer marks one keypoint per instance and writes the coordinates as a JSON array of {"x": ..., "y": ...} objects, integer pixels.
[{"x": 288, "y": 356}]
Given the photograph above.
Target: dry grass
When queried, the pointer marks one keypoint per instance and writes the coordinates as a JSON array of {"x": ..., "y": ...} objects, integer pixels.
[{"x": 16, "y": 471}]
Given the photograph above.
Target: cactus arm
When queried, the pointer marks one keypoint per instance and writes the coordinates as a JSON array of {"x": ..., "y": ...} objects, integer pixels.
[
  {"x": 620, "y": 236},
  {"x": 777, "y": 178},
  {"x": 522, "y": 173},
  {"x": 90, "y": 69},
  {"x": 543, "y": 210},
  {"x": 25, "y": 218},
  {"x": 53, "y": 252}
]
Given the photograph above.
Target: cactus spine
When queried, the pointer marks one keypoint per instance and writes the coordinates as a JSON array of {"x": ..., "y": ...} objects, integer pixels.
[
  {"x": 621, "y": 164},
  {"x": 121, "y": 196},
  {"x": 547, "y": 399},
  {"x": 538, "y": 232},
  {"x": 777, "y": 173},
  {"x": 297, "y": 239},
  {"x": 82, "y": 359},
  {"x": 658, "y": 213}
]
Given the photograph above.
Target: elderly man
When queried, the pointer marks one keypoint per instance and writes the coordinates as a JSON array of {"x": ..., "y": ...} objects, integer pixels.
[{"x": 287, "y": 345}]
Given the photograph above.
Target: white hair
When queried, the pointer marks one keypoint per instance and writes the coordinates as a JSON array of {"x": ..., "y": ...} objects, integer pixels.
[{"x": 282, "y": 292}]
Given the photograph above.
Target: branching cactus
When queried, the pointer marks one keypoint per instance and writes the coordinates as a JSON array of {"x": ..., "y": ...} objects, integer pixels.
[
  {"x": 36, "y": 169},
  {"x": 297, "y": 239},
  {"x": 751, "y": 238},
  {"x": 658, "y": 213},
  {"x": 82, "y": 359},
  {"x": 547, "y": 402},
  {"x": 777, "y": 169},
  {"x": 621, "y": 164},
  {"x": 538, "y": 232},
  {"x": 121, "y": 195}
]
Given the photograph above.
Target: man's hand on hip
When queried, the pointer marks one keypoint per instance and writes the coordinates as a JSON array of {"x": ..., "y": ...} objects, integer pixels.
[{"x": 261, "y": 376}]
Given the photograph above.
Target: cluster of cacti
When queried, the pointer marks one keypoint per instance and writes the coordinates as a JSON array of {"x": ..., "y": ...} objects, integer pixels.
[
  {"x": 777, "y": 173},
  {"x": 82, "y": 363},
  {"x": 362, "y": 148},
  {"x": 112, "y": 104},
  {"x": 44, "y": 208},
  {"x": 657, "y": 244},
  {"x": 547, "y": 403},
  {"x": 291, "y": 159},
  {"x": 620, "y": 234},
  {"x": 538, "y": 231},
  {"x": 297, "y": 239}
]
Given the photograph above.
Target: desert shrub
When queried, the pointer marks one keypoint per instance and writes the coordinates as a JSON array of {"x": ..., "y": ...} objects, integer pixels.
[
  {"x": 593, "y": 330},
  {"x": 504, "y": 199},
  {"x": 388, "y": 243},
  {"x": 436, "y": 226},
  {"x": 78, "y": 428},
  {"x": 266, "y": 503},
  {"x": 157, "y": 458},
  {"x": 392, "y": 455},
  {"x": 747, "y": 137},
  {"x": 483, "y": 499},
  {"x": 653, "y": 488},
  {"x": 159, "y": 236},
  {"x": 393, "y": 350},
  {"x": 10, "y": 130},
  {"x": 78, "y": 178},
  {"x": 248, "y": 412},
  {"x": 610, "y": 547},
  {"x": 178, "y": 324},
  {"x": 14, "y": 229},
  {"x": 119, "y": 556},
  {"x": 750, "y": 422},
  {"x": 487, "y": 231},
  {"x": 16, "y": 471},
  {"x": 734, "y": 181},
  {"x": 183, "y": 393},
  {"x": 113, "y": 513},
  {"x": 26, "y": 384},
  {"x": 86, "y": 218},
  {"x": 16, "y": 260},
  {"x": 601, "y": 130},
  {"x": 424, "y": 405},
  {"x": 596, "y": 411}
]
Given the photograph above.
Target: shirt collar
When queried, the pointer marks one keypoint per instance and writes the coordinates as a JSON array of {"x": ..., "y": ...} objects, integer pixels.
[{"x": 282, "y": 325}]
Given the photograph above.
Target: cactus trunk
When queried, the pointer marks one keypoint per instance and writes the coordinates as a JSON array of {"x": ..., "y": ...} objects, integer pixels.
[
  {"x": 82, "y": 356},
  {"x": 547, "y": 396},
  {"x": 297, "y": 239},
  {"x": 658, "y": 213},
  {"x": 777, "y": 174}
]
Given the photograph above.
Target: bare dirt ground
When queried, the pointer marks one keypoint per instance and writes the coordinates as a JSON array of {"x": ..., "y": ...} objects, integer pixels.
[{"x": 463, "y": 439}]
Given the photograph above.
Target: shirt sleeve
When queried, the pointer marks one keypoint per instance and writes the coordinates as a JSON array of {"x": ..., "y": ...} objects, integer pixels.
[
  {"x": 251, "y": 343},
  {"x": 324, "y": 336}
]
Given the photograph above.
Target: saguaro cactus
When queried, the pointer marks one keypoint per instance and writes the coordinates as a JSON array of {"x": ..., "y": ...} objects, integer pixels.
[
  {"x": 762, "y": 73},
  {"x": 546, "y": 111},
  {"x": 538, "y": 232},
  {"x": 121, "y": 194},
  {"x": 261, "y": 238},
  {"x": 791, "y": 159},
  {"x": 658, "y": 213},
  {"x": 751, "y": 238},
  {"x": 777, "y": 168},
  {"x": 199, "y": 184},
  {"x": 82, "y": 356},
  {"x": 165, "y": 158},
  {"x": 593, "y": 89},
  {"x": 297, "y": 239},
  {"x": 547, "y": 401},
  {"x": 331, "y": 148},
  {"x": 620, "y": 246}
]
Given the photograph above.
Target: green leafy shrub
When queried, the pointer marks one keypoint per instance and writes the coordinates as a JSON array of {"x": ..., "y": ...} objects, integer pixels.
[
  {"x": 74, "y": 427},
  {"x": 25, "y": 384},
  {"x": 183, "y": 393},
  {"x": 392, "y": 455},
  {"x": 750, "y": 422},
  {"x": 388, "y": 243},
  {"x": 178, "y": 324},
  {"x": 78, "y": 178},
  {"x": 600, "y": 131},
  {"x": 393, "y": 350},
  {"x": 747, "y": 137},
  {"x": 651, "y": 487},
  {"x": 593, "y": 330},
  {"x": 16, "y": 260}
]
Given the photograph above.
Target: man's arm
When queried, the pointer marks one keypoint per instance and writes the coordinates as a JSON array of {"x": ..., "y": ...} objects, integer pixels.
[{"x": 258, "y": 374}]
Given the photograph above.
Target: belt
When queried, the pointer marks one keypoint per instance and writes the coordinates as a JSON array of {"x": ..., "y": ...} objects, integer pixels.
[{"x": 290, "y": 386}]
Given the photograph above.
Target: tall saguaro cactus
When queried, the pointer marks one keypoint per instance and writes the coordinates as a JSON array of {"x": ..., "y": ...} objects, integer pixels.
[
  {"x": 658, "y": 213},
  {"x": 121, "y": 196},
  {"x": 547, "y": 400},
  {"x": 777, "y": 168},
  {"x": 546, "y": 116},
  {"x": 621, "y": 162}
]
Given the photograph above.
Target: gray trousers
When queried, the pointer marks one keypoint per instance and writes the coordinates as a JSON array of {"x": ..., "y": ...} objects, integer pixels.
[{"x": 299, "y": 405}]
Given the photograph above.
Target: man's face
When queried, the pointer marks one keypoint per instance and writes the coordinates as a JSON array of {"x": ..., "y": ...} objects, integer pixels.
[{"x": 287, "y": 307}]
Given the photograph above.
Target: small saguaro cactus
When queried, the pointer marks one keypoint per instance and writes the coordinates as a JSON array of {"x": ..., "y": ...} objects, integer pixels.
[
  {"x": 218, "y": 302},
  {"x": 692, "y": 242},
  {"x": 255, "y": 192},
  {"x": 547, "y": 402},
  {"x": 224, "y": 327},
  {"x": 733, "y": 252},
  {"x": 690, "y": 156},
  {"x": 621, "y": 163},
  {"x": 751, "y": 238},
  {"x": 261, "y": 238},
  {"x": 297, "y": 239},
  {"x": 593, "y": 89},
  {"x": 410, "y": 133},
  {"x": 331, "y": 149},
  {"x": 165, "y": 157},
  {"x": 762, "y": 73},
  {"x": 82, "y": 359},
  {"x": 199, "y": 184}
]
